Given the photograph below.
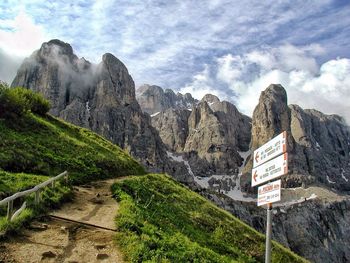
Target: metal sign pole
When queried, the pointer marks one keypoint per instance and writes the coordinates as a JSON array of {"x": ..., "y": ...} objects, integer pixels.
[
  {"x": 268, "y": 234},
  {"x": 270, "y": 161}
]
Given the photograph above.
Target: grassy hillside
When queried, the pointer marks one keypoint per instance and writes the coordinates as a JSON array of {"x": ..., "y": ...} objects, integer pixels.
[
  {"x": 48, "y": 146},
  {"x": 14, "y": 182},
  {"x": 34, "y": 147},
  {"x": 160, "y": 220}
]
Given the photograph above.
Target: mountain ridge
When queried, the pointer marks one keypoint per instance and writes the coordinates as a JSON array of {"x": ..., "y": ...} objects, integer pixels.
[{"x": 216, "y": 138}]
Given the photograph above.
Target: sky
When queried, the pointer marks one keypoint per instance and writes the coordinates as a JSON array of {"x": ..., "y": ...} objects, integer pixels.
[{"x": 232, "y": 49}]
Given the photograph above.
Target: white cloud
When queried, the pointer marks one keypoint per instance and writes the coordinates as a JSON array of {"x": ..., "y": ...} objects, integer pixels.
[
  {"x": 20, "y": 36},
  {"x": 168, "y": 42},
  {"x": 325, "y": 87},
  {"x": 201, "y": 85}
]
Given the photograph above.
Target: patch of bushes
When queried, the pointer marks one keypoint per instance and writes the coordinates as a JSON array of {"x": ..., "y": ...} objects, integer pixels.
[{"x": 16, "y": 102}]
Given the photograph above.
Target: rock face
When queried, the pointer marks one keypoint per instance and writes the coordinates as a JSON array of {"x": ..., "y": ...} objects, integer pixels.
[
  {"x": 217, "y": 133},
  {"x": 318, "y": 144},
  {"x": 314, "y": 229},
  {"x": 172, "y": 127},
  {"x": 210, "y": 134},
  {"x": 153, "y": 99},
  {"x": 99, "y": 97},
  {"x": 323, "y": 143}
]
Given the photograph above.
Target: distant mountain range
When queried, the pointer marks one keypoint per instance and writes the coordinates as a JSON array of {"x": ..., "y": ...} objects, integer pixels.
[{"x": 205, "y": 143}]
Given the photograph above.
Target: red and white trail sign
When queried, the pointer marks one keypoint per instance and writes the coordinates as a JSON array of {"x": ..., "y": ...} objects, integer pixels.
[
  {"x": 271, "y": 149},
  {"x": 270, "y": 170},
  {"x": 269, "y": 193}
]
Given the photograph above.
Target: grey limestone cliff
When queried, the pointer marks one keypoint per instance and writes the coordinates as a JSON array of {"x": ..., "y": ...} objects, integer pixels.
[
  {"x": 318, "y": 144},
  {"x": 153, "y": 99},
  {"x": 209, "y": 133}
]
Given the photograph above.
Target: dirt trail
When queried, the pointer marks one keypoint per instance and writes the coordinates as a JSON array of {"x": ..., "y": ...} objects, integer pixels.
[{"x": 57, "y": 240}]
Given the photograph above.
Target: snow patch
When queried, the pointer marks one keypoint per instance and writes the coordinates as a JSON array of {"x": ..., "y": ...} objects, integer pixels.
[
  {"x": 244, "y": 155},
  {"x": 318, "y": 147},
  {"x": 343, "y": 176},
  {"x": 329, "y": 180},
  {"x": 236, "y": 192},
  {"x": 155, "y": 114},
  {"x": 87, "y": 106},
  {"x": 210, "y": 104},
  {"x": 180, "y": 159}
]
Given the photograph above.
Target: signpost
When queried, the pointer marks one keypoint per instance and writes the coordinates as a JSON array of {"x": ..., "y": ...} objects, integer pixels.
[
  {"x": 269, "y": 193},
  {"x": 270, "y": 170},
  {"x": 271, "y": 149},
  {"x": 270, "y": 161}
]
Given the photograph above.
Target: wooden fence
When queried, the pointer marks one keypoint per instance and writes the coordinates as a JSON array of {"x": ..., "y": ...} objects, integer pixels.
[{"x": 37, "y": 189}]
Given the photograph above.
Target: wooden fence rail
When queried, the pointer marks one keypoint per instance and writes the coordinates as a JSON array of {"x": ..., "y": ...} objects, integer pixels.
[{"x": 36, "y": 189}]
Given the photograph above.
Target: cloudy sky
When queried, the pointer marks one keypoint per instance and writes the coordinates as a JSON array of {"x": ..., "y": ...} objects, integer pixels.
[{"x": 233, "y": 49}]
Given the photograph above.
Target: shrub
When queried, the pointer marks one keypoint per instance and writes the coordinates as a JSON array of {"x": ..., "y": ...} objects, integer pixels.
[
  {"x": 12, "y": 105},
  {"x": 16, "y": 102},
  {"x": 39, "y": 105}
]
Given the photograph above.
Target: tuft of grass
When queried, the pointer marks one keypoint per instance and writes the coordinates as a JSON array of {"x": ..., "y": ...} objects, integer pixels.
[{"x": 160, "y": 220}]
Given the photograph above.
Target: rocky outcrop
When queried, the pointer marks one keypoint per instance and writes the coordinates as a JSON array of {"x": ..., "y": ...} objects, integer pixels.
[
  {"x": 210, "y": 134},
  {"x": 314, "y": 229},
  {"x": 318, "y": 144},
  {"x": 216, "y": 138},
  {"x": 153, "y": 99},
  {"x": 324, "y": 146},
  {"x": 99, "y": 97},
  {"x": 172, "y": 125}
]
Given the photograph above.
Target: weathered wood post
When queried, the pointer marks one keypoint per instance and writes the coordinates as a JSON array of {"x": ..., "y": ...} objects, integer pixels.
[
  {"x": 37, "y": 196},
  {"x": 9, "y": 209}
]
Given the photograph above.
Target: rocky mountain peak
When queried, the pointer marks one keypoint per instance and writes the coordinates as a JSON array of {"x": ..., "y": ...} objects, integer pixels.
[
  {"x": 274, "y": 92},
  {"x": 271, "y": 116},
  {"x": 210, "y": 99},
  {"x": 56, "y": 48},
  {"x": 154, "y": 99},
  {"x": 111, "y": 61},
  {"x": 318, "y": 144}
]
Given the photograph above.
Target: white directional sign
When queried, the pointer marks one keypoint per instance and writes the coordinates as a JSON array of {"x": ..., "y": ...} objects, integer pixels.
[
  {"x": 269, "y": 193},
  {"x": 271, "y": 149},
  {"x": 270, "y": 170}
]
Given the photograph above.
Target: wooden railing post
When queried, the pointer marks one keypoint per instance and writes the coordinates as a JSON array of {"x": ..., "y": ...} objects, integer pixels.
[
  {"x": 9, "y": 209},
  {"x": 37, "y": 196},
  {"x": 36, "y": 190},
  {"x": 66, "y": 178}
]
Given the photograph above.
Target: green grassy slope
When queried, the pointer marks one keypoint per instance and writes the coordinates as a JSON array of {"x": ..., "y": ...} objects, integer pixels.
[
  {"x": 15, "y": 182},
  {"x": 32, "y": 148},
  {"x": 160, "y": 220},
  {"x": 48, "y": 146}
]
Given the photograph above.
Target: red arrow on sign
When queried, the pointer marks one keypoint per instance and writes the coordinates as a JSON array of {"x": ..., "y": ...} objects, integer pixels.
[
  {"x": 257, "y": 157},
  {"x": 254, "y": 176}
]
